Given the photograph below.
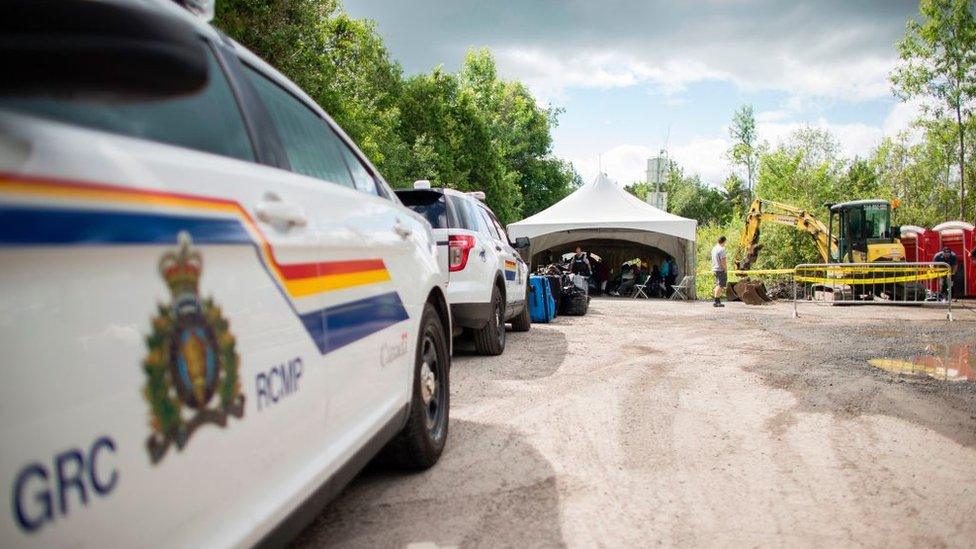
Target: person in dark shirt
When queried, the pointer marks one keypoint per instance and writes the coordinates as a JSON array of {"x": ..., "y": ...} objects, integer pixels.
[
  {"x": 657, "y": 281},
  {"x": 672, "y": 275},
  {"x": 580, "y": 264},
  {"x": 948, "y": 257}
]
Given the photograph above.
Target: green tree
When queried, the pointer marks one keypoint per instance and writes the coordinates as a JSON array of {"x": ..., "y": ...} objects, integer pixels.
[
  {"x": 805, "y": 171},
  {"x": 521, "y": 131},
  {"x": 339, "y": 61},
  {"x": 638, "y": 189},
  {"x": 919, "y": 175},
  {"x": 689, "y": 197},
  {"x": 939, "y": 63},
  {"x": 745, "y": 148},
  {"x": 441, "y": 121},
  {"x": 736, "y": 193}
]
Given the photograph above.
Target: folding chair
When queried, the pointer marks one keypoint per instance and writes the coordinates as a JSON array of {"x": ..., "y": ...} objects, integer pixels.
[
  {"x": 640, "y": 287},
  {"x": 681, "y": 290}
]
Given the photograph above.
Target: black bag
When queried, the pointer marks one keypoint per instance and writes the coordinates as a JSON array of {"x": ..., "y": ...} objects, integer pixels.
[{"x": 574, "y": 302}]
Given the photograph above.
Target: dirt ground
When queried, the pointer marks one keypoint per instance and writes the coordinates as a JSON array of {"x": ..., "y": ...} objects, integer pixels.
[{"x": 663, "y": 423}]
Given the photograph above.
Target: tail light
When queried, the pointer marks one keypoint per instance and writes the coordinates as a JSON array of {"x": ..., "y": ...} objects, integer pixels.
[{"x": 458, "y": 247}]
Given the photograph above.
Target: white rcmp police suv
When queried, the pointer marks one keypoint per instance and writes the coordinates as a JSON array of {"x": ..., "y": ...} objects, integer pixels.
[
  {"x": 486, "y": 276},
  {"x": 213, "y": 310}
]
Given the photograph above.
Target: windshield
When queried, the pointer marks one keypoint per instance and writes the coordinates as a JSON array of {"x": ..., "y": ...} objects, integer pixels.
[{"x": 876, "y": 221}]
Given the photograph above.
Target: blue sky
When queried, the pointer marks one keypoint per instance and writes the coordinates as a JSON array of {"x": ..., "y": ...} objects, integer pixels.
[{"x": 636, "y": 76}]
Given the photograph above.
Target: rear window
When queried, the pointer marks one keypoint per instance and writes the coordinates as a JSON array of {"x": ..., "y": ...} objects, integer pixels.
[
  {"x": 208, "y": 121},
  {"x": 431, "y": 205}
]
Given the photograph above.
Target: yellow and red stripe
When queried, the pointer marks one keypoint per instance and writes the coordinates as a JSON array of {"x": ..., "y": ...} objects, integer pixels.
[{"x": 298, "y": 280}]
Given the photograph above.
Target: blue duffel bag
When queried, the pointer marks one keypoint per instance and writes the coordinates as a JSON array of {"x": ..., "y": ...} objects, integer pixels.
[{"x": 542, "y": 308}]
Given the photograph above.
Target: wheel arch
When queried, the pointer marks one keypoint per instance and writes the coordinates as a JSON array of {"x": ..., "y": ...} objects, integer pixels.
[
  {"x": 500, "y": 284},
  {"x": 438, "y": 300}
]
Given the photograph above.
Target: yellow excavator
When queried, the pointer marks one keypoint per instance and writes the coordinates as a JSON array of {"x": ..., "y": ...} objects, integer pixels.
[{"x": 859, "y": 231}]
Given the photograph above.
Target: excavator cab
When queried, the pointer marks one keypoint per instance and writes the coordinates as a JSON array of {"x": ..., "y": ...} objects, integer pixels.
[{"x": 863, "y": 233}]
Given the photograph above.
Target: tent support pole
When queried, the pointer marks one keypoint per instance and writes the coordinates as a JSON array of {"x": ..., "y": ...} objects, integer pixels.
[{"x": 691, "y": 265}]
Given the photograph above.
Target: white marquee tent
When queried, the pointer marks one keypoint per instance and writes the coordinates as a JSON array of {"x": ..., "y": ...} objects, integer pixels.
[{"x": 603, "y": 210}]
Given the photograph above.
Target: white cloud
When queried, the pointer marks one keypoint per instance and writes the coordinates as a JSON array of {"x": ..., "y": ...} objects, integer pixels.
[
  {"x": 849, "y": 78},
  {"x": 900, "y": 119},
  {"x": 855, "y": 139},
  {"x": 548, "y": 75},
  {"x": 627, "y": 163},
  {"x": 774, "y": 115},
  {"x": 705, "y": 157},
  {"x": 835, "y": 49},
  {"x": 623, "y": 163}
]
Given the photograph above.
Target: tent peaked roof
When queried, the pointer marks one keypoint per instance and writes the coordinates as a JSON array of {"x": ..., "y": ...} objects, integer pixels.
[{"x": 603, "y": 204}]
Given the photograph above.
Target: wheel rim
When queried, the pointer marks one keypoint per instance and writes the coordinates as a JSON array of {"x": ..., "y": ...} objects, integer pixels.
[{"x": 433, "y": 389}]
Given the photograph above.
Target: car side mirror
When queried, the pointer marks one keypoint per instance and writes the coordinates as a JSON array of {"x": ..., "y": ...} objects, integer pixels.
[
  {"x": 522, "y": 242},
  {"x": 106, "y": 50}
]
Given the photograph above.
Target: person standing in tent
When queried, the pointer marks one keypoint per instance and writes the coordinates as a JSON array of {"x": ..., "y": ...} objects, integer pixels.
[
  {"x": 720, "y": 270},
  {"x": 580, "y": 263},
  {"x": 672, "y": 275}
]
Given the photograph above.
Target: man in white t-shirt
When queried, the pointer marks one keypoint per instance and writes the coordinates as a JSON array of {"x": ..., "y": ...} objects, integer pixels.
[{"x": 720, "y": 270}]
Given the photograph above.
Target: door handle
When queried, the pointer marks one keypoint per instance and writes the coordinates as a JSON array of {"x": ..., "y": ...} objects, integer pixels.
[
  {"x": 274, "y": 211},
  {"x": 403, "y": 230}
]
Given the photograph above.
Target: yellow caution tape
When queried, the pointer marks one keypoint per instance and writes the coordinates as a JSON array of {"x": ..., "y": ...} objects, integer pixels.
[
  {"x": 840, "y": 274},
  {"x": 757, "y": 272},
  {"x": 884, "y": 269},
  {"x": 866, "y": 281}
]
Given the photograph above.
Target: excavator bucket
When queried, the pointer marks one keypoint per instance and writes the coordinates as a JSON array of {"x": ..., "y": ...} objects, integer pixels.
[{"x": 750, "y": 292}]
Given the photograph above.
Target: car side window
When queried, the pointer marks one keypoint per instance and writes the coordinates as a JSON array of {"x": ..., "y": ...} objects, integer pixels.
[
  {"x": 313, "y": 148},
  {"x": 361, "y": 177},
  {"x": 463, "y": 214},
  {"x": 503, "y": 236},
  {"x": 490, "y": 227},
  {"x": 209, "y": 120}
]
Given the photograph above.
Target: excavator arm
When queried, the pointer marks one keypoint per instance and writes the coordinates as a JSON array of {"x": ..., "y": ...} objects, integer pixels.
[{"x": 766, "y": 211}]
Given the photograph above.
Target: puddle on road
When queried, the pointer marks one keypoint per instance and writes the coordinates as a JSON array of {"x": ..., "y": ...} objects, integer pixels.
[{"x": 943, "y": 362}]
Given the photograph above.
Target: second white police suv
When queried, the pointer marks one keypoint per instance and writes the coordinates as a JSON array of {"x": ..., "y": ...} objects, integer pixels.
[
  {"x": 213, "y": 309},
  {"x": 487, "y": 278}
]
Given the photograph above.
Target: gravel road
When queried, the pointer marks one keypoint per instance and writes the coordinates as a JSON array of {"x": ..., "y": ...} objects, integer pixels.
[{"x": 662, "y": 423}]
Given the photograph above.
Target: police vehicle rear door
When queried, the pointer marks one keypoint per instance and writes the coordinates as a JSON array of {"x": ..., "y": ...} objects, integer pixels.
[
  {"x": 371, "y": 298},
  {"x": 375, "y": 386}
]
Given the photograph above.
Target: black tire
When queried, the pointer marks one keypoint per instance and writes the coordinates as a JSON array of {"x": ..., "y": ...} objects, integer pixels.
[
  {"x": 420, "y": 444},
  {"x": 523, "y": 321},
  {"x": 490, "y": 340}
]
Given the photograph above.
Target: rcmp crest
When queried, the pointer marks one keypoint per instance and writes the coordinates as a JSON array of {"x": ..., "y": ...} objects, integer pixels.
[{"x": 192, "y": 366}]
